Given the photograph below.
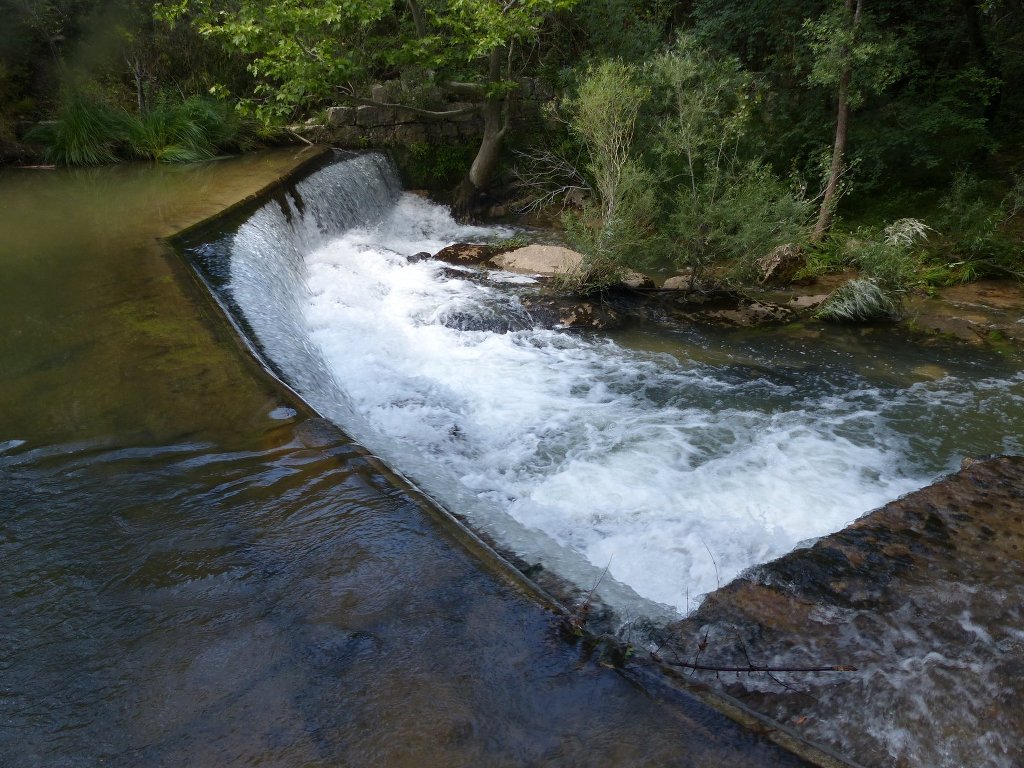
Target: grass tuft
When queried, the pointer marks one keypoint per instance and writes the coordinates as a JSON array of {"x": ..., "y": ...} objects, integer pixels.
[{"x": 860, "y": 301}]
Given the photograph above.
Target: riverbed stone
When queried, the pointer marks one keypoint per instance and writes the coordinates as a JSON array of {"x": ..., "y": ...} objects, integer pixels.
[
  {"x": 545, "y": 260},
  {"x": 467, "y": 253},
  {"x": 678, "y": 283},
  {"x": 807, "y": 303},
  {"x": 637, "y": 281}
]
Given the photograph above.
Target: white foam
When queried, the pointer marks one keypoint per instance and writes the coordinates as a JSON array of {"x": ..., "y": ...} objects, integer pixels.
[{"x": 657, "y": 469}]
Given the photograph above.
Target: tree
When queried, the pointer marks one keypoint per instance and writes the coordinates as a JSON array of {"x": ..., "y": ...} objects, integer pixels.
[
  {"x": 853, "y": 63},
  {"x": 304, "y": 53}
]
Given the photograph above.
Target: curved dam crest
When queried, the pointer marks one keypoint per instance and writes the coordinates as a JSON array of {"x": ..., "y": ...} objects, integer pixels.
[{"x": 676, "y": 470}]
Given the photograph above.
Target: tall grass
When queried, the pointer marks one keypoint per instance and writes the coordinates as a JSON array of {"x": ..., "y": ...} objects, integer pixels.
[
  {"x": 859, "y": 301},
  {"x": 88, "y": 132},
  {"x": 187, "y": 131}
]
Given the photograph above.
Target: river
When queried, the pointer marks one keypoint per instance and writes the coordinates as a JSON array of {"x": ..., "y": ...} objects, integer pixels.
[{"x": 196, "y": 570}]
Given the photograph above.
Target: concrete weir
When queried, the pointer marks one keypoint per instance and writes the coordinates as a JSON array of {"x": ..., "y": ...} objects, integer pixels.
[{"x": 923, "y": 597}]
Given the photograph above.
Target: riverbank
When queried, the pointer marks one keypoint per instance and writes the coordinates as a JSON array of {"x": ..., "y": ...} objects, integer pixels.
[{"x": 987, "y": 312}]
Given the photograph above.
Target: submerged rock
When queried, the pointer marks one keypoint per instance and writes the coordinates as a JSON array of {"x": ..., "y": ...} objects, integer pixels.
[
  {"x": 720, "y": 308},
  {"x": 923, "y": 596},
  {"x": 566, "y": 312}
]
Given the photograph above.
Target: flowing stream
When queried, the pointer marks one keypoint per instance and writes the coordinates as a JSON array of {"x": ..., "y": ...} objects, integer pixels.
[{"x": 674, "y": 458}]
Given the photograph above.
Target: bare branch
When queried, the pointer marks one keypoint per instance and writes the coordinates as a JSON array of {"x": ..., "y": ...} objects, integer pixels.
[
  {"x": 430, "y": 113},
  {"x": 472, "y": 90},
  {"x": 550, "y": 177}
]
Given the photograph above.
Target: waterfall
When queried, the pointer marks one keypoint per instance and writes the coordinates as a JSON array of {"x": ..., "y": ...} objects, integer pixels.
[{"x": 675, "y": 472}]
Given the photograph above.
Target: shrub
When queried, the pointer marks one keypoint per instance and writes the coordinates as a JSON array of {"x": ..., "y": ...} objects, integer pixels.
[
  {"x": 188, "y": 131},
  {"x": 89, "y": 132}
]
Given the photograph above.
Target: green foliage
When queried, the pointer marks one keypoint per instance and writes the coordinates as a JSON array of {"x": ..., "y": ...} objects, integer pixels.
[
  {"x": 894, "y": 268},
  {"x": 827, "y": 257},
  {"x": 626, "y": 234},
  {"x": 589, "y": 277},
  {"x": 874, "y": 54},
  {"x": 86, "y": 132},
  {"x": 620, "y": 226},
  {"x": 89, "y": 132},
  {"x": 728, "y": 205},
  {"x": 603, "y": 113},
  {"x": 934, "y": 83},
  {"x": 971, "y": 220},
  {"x": 976, "y": 226},
  {"x": 623, "y": 29},
  {"x": 671, "y": 166},
  {"x": 196, "y": 129},
  {"x": 302, "y": 53},
  {"x": 426, "y": 166}
]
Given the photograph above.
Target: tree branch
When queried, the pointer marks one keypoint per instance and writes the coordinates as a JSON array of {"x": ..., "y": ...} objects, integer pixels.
[
  {"x": 430, "y": 113},
  {"x": 473, "y": 90}
]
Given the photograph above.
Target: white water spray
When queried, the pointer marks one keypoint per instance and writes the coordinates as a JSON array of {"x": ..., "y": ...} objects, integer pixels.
[{"x": 571, "y": 450}]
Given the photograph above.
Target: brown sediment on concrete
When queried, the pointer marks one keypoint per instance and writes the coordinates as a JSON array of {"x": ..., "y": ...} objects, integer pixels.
[
  {"x": 924, "y": 596},
  {"x": 262, "y": 173}
]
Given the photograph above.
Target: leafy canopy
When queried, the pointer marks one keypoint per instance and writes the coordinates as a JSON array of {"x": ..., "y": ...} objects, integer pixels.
[{"x": 302, "y": 51}]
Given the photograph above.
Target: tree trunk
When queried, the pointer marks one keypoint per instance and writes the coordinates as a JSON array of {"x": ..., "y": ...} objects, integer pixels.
[
  {"x": 467, "y": 198},
  {"x": 972, "y": 16},
  {"x": 828, "y": 200},
  {"x": 418, "y": 19}
]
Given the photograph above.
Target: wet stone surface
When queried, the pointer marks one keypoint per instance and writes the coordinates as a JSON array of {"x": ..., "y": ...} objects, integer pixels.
[{"x": 923, "y": 596}]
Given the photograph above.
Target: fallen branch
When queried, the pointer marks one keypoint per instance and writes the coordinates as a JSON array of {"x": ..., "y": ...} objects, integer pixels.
[{"x": 300, "y": 138}]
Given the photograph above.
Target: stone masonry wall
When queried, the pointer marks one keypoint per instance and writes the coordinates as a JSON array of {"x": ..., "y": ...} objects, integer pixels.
[{"x": 358, "y": 127}]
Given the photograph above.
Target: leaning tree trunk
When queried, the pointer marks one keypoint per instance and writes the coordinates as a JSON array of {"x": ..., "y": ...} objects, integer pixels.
[
  {"x": 467, "y": 198},
  {"x": 828, "y": 200}
]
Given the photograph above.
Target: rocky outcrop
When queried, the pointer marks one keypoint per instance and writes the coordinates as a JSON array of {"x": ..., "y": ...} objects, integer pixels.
[{"x": 780, "y": 265}]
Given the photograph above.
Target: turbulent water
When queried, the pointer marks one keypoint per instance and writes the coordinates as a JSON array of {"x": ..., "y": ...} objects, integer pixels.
[{"x": 576, "y": 451}]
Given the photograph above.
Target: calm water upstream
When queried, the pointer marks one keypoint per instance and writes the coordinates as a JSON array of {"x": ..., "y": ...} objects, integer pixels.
[{"x": 194, "y": 572}]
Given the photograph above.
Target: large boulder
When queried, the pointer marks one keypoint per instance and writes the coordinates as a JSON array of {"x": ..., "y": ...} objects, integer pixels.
[
  {"x": 545, "y": 260},
  {"x": 780, "y": 265}
]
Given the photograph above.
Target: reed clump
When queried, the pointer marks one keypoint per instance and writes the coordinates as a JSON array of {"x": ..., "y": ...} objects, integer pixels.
[{"x": 88, "y": 131}]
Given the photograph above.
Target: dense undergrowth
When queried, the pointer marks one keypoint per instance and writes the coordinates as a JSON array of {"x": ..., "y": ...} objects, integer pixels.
[{"x": 702, "y": 136}]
